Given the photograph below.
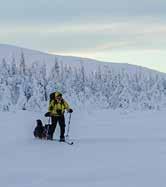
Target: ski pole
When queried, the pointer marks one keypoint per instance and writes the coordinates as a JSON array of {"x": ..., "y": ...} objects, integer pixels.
[{"x": 68, "y": 129}]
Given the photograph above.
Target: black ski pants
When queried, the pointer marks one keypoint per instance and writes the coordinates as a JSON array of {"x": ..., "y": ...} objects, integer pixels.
[{"x": 61, "y": 121}]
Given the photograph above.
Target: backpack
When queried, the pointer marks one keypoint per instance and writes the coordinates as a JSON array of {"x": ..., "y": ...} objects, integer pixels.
[{"x": 52, "y": 96}]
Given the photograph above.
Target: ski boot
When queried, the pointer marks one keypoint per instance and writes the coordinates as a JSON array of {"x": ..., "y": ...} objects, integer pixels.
[{"x": 62, "y": 139}]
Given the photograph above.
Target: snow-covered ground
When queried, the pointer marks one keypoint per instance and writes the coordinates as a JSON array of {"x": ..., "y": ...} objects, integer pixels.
[{"x": 112, "y": 149}]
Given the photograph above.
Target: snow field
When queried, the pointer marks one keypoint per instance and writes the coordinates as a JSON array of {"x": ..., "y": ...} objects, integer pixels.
[{"x": 111, "y": 149}]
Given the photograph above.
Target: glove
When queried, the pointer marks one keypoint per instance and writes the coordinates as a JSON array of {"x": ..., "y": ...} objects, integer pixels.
[
  {"x": 70, "y": 110},
  {"x": 47, "y": 114}
]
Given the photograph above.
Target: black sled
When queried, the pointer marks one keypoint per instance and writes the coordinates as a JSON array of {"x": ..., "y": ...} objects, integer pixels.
[{"x": 42, "y": 131}]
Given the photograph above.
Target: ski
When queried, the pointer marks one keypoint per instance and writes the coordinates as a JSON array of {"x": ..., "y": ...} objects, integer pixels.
[
  {"x": 66, "y": 141},
  {"x": 56, "y": 140}
]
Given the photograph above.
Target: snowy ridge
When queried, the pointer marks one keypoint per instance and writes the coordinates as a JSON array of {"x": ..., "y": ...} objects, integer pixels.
[
  {"x": 27, "y": 77},
  {"x": 31, "y": 56}
]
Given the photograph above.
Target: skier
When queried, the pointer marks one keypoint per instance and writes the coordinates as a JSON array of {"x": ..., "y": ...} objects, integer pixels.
[{"x": 56, "y": 109}]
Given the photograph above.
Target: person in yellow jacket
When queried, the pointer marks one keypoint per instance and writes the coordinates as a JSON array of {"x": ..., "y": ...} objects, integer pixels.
[{"x": 56, "y": 110}]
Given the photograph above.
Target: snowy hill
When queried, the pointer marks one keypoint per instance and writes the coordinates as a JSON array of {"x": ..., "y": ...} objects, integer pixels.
[
  {"x": 31, "y": 56},
  {"x": 111, "y": 147},
  {"x": 27, "y": 77}
]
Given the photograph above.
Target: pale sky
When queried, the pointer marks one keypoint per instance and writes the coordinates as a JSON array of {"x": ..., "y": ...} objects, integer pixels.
[{"x": 129, "y": 31}]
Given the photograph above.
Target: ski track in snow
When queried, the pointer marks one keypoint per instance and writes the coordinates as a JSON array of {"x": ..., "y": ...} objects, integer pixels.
[{"x": 110, "y": 149}]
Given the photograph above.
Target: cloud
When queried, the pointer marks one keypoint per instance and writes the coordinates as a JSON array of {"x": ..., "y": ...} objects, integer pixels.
[
  {"x": 89, "y": 37},
  {"x": 98, "y": 29},
  {"x": 62, "y": 11}
]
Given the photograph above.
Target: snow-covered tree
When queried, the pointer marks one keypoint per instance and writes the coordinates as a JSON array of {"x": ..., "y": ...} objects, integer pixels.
[{"x": 28, "y": 87}]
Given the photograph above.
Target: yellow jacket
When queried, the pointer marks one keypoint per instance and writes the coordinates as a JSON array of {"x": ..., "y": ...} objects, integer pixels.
[{"x": 58, "y": 108}]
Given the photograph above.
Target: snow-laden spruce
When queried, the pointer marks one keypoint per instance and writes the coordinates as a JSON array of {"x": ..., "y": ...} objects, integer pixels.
[{"x": 27, "y": 86}]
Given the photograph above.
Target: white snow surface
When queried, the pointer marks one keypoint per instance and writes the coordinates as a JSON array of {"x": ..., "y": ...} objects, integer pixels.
[{"x": 111, "y": 148}]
